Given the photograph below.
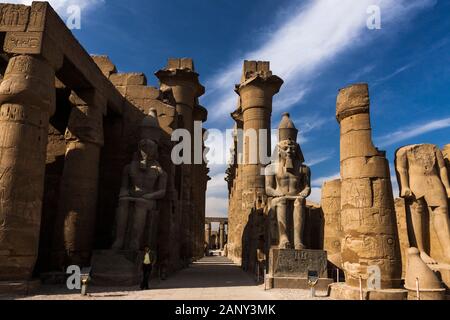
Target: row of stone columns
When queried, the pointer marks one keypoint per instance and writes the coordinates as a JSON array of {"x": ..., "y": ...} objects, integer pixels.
[
  {"x": 27, "y": 98},
  {"x": 222, "y": 236}
]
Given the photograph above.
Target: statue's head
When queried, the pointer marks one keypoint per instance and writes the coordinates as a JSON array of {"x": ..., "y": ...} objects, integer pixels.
[
  {"x": 148, "y": 150},
  {"x": 290, "y": 151}
]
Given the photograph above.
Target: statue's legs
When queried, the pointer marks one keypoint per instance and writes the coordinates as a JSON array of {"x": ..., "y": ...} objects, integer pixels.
[
  {"x": 139, "y": 222},
  {"x": 280, "y": 207},
  {"x": 121, "y": 224},
  {"x": 442, "y": 226},
  {"x": 417, "y": 209},
  {"x": 299, "y": 223}
]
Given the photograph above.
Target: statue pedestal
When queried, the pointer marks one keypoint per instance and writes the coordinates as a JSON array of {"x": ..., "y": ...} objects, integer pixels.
[
  {"x": 116, "y": 268},
  {"x": 288, "y": 268}
]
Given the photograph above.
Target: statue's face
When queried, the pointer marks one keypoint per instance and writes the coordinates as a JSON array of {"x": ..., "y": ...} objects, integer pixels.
[
  {"x": 148, "y": 149},
  {"x": 288, "y": 149}
]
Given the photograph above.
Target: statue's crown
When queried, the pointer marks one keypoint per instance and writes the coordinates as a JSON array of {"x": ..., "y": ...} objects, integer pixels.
[
  {"x": 150, "y": 128},
  {"x": 287, "y": 129}
]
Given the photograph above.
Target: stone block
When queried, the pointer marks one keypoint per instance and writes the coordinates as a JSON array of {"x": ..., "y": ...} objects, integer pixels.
[
  {"x": 116, "y": 268},
  {"x": 296, "y": 263}
]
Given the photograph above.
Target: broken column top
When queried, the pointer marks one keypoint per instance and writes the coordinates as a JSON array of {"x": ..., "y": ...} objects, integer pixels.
[
  {"x": 352, "y": 100},
  {"x": 180, "y": 63},
  {"x": 180, "y": 70},
  {"x": 255, "y": 68},
  {"x": 258, "y": 70}
]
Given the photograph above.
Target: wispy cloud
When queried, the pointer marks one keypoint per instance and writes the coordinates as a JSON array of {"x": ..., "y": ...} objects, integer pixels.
[
  {"x": 303, "y": 45},
  {"x": 316, "y": 160},
  {"x": 61, "y": 6},
  {"x": 319, "y": 181},
  {"x": 393, "y": 74},
  {"x": 412, "y": 131}
]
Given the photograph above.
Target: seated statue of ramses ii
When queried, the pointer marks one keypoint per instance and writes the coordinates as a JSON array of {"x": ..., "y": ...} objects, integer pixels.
[
  {"x": 143, "y": 183},
  {"x": 287, "y": 181}
]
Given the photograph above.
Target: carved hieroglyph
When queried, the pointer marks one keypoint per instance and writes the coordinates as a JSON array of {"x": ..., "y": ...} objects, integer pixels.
[
  {"x": 367, "y": 205},
  {"x": 424, "y": 184},
  {"x": 333, "y": 233},
  {"x": 288, "y": 185},
  {"x": 27, "y": 98}
]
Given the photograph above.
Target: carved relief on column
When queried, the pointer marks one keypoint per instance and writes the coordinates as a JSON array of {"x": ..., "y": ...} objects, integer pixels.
[
  {"x": 367, "y": 204},
  {"x": 27, "y": 98},
  {"x": 331, "y": 207}
]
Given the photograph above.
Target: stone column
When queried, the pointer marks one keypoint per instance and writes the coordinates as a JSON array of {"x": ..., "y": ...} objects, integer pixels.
[
  {"x": 208, "y": 234},
  {"x": 27, "y": 98},
  {"x": 256, "y": 91},
  {"x": 180, "y": 76},
  {"x": 221, "y": 235},
  {"x": 257, "y": 88},
  {"x": 75, "y": 222},
  {"x": 331, "y": 207},
  {"x": 367, "y": 204}
]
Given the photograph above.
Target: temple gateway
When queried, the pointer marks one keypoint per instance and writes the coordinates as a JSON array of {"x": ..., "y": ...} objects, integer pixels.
[{"x": 87, "y": 179}]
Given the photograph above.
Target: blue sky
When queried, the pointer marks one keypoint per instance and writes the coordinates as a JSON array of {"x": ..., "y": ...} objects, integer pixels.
[{"x": 317, "y": 47}]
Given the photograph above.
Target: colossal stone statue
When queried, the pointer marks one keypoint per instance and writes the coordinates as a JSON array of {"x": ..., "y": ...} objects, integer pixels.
[
  {"x": 143, "y": 182},
  {"x": 287, "y": 182},
  {"x": 425, "y": 186}
]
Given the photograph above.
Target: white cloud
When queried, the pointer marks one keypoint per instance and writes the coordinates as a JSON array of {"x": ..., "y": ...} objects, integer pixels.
[
  {"x": 216, "y": 207},
  {"x": 316, "y": 195},
  {"x": 412, "y": 131},
  {"x": 61, "y": 6},
  {"x": 304, "y": 44}
]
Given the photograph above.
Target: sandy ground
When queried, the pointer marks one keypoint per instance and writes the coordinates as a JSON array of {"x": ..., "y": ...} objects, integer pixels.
[{"x": 212, "y": 278}]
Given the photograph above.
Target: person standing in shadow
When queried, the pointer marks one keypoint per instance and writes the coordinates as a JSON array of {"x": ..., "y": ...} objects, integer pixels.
[{"x": 147, "y": 266}]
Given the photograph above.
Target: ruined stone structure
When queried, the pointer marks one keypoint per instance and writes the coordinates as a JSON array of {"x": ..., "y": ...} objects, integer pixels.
[
  {"x": 69, "y": 124},
  {"x": 367, "y": 206},
  {"x": 256, "y": 201},
  {"x": 256, "y": 90},
  {"x": 333, "y": 232},
  {"x": 222, "y": 232},
  {"x": 425, "y": 189}
]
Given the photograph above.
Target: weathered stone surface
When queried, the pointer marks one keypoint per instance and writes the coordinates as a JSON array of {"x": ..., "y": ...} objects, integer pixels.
[
  {"x": 116, "y": 268},
  {"x": 256, "y": 90},
  {"x": 27, "y": 99},
  {"x": 425, "y": 186},
  {"x": 367, "y": 205},
  {"x": 288, "y": 186},
  {"x": 296, "y": 263},
  {"x": 419, "y": 277},
  {"x": 333, "y": 233}
]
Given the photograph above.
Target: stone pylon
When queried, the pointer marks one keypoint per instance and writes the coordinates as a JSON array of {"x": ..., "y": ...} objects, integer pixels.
[
  {"x": 370, "y": 248},
  {"x": 256, "y": 90}
]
